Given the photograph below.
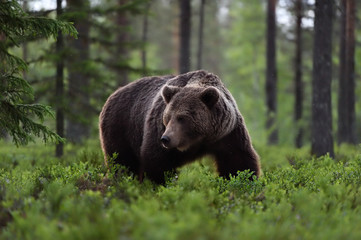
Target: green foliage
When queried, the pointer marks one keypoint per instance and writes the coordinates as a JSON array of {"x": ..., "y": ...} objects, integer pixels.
[
  {"x": 77, "y": 198},
  {"x": 16, "y": 23},
  {"x": 16, "y": 117}
]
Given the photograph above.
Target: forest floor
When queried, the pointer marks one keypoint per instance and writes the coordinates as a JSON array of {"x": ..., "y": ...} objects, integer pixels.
[{"x": 297, "y": 197}]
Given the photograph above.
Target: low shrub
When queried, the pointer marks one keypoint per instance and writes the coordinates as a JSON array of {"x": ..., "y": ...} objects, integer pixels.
[{"x": 297, "y": 197}]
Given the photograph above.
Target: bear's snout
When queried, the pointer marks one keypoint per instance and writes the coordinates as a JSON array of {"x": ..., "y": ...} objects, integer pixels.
[{"x": 165, "y": 140}]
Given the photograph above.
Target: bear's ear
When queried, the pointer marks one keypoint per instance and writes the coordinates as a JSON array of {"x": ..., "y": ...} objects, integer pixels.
[
  {"x": 168, "y": 92},
  {"x": 210, "y": 96}
]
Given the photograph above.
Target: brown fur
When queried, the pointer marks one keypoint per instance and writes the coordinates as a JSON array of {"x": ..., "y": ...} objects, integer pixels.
[{"x": 157, "y": 124}]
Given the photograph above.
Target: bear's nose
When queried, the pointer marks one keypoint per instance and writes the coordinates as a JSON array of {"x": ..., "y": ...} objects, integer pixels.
[{"x": 165, "y": 140}]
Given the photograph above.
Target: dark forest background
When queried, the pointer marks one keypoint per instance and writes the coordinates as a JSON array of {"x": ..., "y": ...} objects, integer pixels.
[{"x": 292, "y": 65}]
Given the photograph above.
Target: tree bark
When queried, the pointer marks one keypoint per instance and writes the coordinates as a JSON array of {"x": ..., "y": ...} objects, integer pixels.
[
  {"x": 350, "y": 66},
  {"x": 321, "y": 129},
  {"x": 342, "y": 88},
  {"x": 59, "y": 86},
  {"x": 185, "y": 36},
  {"x": 79, "y": 79},
  {"x": 298, "y": 75},
  {"x": 145, "y": 39},
  {"x": 200, "y": 34},
  {"x": 346, "y": 99},
  {"x": 122, "y": 39},
  {"x": 271, "y": 74},
  {"x": 25, "y": 44}
]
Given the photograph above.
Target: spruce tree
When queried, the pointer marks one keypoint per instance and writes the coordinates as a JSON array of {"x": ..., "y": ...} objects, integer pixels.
[{"x": 22, "y": 120}]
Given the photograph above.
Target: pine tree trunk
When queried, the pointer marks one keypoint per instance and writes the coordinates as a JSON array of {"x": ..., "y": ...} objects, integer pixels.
[
  {"x": 59, "y": 86},
  {"x": 346, "y": 100},
  {"x": 145, "y": 39},
  {"x": 79, "y": 80},
  {"x": 200, "y": 35},
  {"x": 321, "y": 129},
  {"x": 342, "y": 88},
  {"x": 25, "y": 44},
  {"x": 185, "y": 36},
  {"x": 175, "y": 36},
  {"x": 3, "y": 133},
  {"x": 350, "y": 67},
  {"x": 122, "y": 39},
  {"x": 271, "y": 74},
  {"x": 298, "y": 76}
]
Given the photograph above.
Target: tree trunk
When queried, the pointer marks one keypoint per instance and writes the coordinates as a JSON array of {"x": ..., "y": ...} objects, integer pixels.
[
  {"x": 298, "y": 76},
  {"x": 271, "y": 74},
  {"x": 145, "y": 39},
  {"x": 346, "y": 99},
  {"x": 342, "y": 88},
  {"x": 25, "y": 44},
  {"x": 121, "y": 55},
  {"x": 59, "y": 86},
  {"x": 322, "y": 140},
  {"x": 79, "y": 80},
  {"x": 3, "y": 133},
  {"x": 350, "y": 67},
  {"x": 175, "y": 36},
  {"x": 185, "y": 36},
  {"x": 200, "y": 35}
]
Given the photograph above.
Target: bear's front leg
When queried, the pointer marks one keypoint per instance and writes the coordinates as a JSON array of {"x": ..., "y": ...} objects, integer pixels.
[
  {"x": 235, "y": 153},
  {"x": 155, "y": 161},
  {"x": 153, "y": 170}
]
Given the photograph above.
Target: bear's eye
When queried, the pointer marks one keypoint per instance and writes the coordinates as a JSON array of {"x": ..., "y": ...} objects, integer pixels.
[{"x": 180, "y": 119}]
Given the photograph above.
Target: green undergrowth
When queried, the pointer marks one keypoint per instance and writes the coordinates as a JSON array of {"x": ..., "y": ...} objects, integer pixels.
[{"x": 297, "y": 197}]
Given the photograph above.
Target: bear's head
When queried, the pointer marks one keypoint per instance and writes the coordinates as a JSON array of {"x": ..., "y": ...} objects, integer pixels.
[{"x": 188, "y": 117}]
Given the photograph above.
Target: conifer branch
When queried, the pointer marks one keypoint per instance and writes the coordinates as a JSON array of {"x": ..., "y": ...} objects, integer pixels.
[{"x": 17, "y": 118}]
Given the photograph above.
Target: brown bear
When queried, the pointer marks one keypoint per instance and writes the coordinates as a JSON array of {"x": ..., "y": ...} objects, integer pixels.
[{"x": 157, "y": 124}]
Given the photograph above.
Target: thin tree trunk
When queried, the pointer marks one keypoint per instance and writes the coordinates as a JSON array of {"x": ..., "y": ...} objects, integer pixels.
[
  {"x": 321, "y": 129},
  {"x": 25, "y": 44},
  {"x": 350, "y": 67},
  {"x": 346, "y": 100},
  {"x": 185, "y": 35},
  {"x": 271, "y": 74},
  {"x": 145, "y": 39},
  {"x": 59, "y": 86},
  {"x": 79, "y": 81},
  {"x": 298, "y": 76},
  {"x": 122, "y": 39},
  {"x": 3, "y": 133},
  {"x": 342, "y": 88},
  {"x": 200, "y": 34},
  {"x": 175, "y": 60}
]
